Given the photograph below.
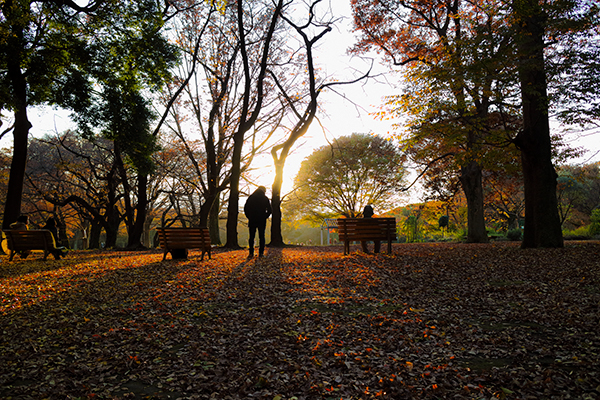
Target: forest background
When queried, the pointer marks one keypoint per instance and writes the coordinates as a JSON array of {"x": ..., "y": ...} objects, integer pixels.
[{"x": 349, "y": 109}]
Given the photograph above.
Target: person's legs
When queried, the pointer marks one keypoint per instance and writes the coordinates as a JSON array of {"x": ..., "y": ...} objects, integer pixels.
[
  {"x": 261, "y": 237},
  {"x": 252, "y": 233}
]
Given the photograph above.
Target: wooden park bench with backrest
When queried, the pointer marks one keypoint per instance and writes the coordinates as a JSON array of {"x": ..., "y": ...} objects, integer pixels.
[
  {"x": 28, "y": 240},
  {"x": 184, "y": 239},
  {"x": 365, "y": 229}
]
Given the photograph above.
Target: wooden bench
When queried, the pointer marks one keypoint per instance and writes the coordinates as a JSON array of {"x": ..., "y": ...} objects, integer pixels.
[
  {"x": 184, "y": 238},
  {"x": 35, "y": 239},
  {"x": 364, "y": 229}
]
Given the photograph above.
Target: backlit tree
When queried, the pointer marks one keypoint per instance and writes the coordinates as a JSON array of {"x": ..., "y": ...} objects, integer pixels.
[{"x": 342, "y": 178}]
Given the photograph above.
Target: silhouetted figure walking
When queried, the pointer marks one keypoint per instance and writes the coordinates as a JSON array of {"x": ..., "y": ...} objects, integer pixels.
[{"x": 257, "y": 210}]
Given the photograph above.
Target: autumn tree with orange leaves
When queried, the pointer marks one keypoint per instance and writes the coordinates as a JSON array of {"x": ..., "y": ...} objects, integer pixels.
[
  {"x": 457, "y": 88},
  {"x": 460, "y": 60}
]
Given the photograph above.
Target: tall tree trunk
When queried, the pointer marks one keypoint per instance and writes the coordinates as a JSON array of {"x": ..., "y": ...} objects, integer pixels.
[
  {"x": 209, "y": 212},
  {"x": 247, "y": 118},
  {"x": 134, "y": 240},
  {"x": 211, "y": 202},
  {"x": 112, "y": 217},
  {"x": 299, "y": 130},
  {"x": 470, "y": 179},
  {"x": 213, "y": 222},
  {"x": 542, "y": 221},
  {"x": 111, "y": 234},
  {"x": 94, "y": 235},
  {"x": 14, "y": 194},
  {"x": 147, "y": 237},
  {"x": 234, "y": 193},
  {"x": 276, "y": 235}
]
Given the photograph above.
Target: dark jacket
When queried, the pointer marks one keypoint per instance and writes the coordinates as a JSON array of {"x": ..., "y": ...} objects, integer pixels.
[
  {"x": 258, "y": 206},
  {"x": 51, "y": 226}
]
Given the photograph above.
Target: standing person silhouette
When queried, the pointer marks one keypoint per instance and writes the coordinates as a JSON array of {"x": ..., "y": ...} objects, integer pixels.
[{"x": 257, "y": 210}]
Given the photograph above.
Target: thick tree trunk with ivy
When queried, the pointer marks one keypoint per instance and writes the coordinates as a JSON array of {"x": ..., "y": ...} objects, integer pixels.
[{"x": 542, "y": 221}]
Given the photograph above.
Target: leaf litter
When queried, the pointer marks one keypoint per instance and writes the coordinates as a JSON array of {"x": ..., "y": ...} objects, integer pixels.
[{"x": 432, "y": 321}]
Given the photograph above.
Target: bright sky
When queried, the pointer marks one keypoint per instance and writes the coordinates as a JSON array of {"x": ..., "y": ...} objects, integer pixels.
[
  {"x": 343, "y": 110},
  {"x": 340, "y": 117},
  {"x": 342, "y": 113}
]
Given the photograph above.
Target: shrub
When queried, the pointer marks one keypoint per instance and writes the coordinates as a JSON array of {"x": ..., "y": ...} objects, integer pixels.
[
  {"x": 460, "y": 235},
  {"x": 514, "y": 235},
  {"x": 595, "y": 222},
  {"x": 581, "y": 233}
]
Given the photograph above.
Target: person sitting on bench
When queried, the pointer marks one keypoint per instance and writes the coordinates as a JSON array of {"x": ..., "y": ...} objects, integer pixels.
[
  {"x": 51, "y": 226},
  {"x": 22, "y": 224},
  {"x": 368, "y": 213}
]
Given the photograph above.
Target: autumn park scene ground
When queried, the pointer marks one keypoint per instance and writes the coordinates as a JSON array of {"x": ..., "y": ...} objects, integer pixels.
[{"x": 432, "y": 321}]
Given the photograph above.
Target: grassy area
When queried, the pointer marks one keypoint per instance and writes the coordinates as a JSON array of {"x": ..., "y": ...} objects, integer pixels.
[{"x": 431, "y": 321}]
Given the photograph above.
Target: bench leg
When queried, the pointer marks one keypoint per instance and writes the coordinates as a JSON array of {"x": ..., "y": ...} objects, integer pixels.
[
  {"x": 207, "y": 252},
  {"x": 376, "y": 246},
  {"x": 12, "y": 255}
]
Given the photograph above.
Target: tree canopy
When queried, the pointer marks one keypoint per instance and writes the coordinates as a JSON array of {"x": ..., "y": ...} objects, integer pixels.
[
  {"x": 94, "y": 59},
  {"x": 476, "y": 77},
  {"x": 350, "y": 173}
]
